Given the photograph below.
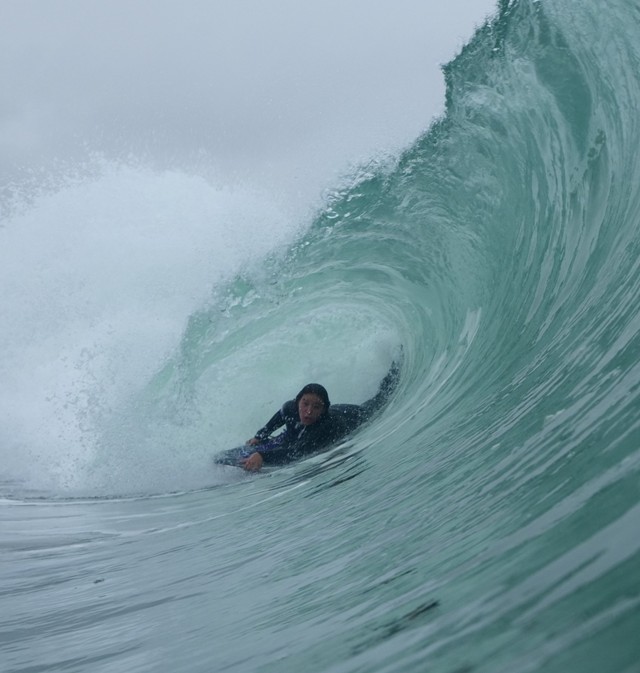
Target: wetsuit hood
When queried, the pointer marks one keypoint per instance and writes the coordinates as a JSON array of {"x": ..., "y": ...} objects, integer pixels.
[{"x": 316, "y": 389}]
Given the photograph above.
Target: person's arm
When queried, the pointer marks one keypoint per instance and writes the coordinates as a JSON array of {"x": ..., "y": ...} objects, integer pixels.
[
  {"x": 314, "y": 439},
  {"x": 275, "y": 422},
  {"x": 281, "y": 456}
]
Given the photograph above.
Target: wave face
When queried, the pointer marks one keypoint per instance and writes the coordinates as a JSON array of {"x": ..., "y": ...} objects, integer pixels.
[{"x": 486, "y": 521}]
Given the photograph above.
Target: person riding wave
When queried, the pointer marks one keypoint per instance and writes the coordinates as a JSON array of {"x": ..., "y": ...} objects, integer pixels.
[{"x": 311, "y": 424}]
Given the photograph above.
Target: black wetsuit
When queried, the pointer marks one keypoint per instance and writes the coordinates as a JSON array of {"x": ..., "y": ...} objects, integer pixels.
[{"x": 298, "y": 440}]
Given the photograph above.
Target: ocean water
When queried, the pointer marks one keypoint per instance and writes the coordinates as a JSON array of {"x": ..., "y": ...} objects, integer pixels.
[{"x": 487, "y": 521}]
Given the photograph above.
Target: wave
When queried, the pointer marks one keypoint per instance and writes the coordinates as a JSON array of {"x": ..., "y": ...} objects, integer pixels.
[
  {"x": 489, "y": 250},
  {"x": 487, "y": 519}
]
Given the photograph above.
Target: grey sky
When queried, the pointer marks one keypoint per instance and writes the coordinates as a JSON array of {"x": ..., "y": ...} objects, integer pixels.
[{"x": 292, "y": 87}]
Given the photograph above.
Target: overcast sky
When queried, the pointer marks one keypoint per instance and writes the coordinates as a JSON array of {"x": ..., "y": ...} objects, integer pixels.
[{"x": 289, "y": 86}]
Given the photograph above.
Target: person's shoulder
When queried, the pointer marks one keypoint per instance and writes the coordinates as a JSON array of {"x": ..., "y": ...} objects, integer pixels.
[
  {"x": 340, "y": 424},
  {"x": 333, "y": 426},
  {"x": 290, "y": 409}
]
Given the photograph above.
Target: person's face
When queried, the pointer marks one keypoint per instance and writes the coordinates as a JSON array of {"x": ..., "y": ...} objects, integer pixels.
[{"x": 310, "y": 408}]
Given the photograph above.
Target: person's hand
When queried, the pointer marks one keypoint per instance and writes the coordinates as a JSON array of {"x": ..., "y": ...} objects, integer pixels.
[
  {"x": 252, "y": 442},
  {"x": 253, "y": 463}
]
